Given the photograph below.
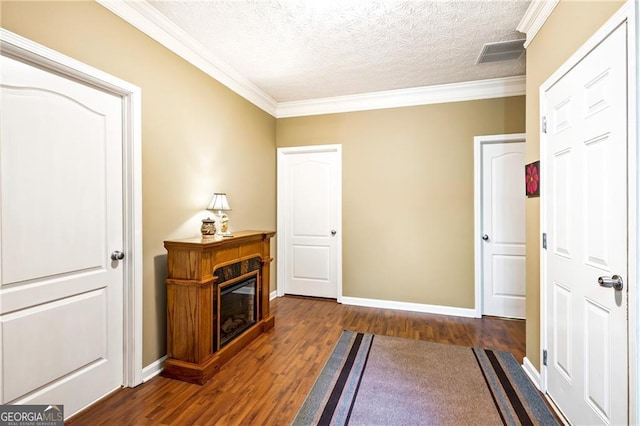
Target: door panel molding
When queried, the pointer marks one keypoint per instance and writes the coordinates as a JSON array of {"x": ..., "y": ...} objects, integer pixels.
[
  {"x": 18, "y": 47},
  {"x": 478, "y": 143}
]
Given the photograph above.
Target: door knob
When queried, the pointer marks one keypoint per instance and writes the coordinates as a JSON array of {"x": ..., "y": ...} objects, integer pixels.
[
  {"x": 485, "y": 237},
  {"x": 117, "y": 255},
  {"x": 614, "y": 282},
  {"x": 334, "y": 232}
]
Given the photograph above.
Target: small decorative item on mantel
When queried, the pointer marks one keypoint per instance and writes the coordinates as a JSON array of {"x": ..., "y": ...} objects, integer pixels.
[
  {"x": 532, "y": 179},
  {"x": 208, "y": 228}
]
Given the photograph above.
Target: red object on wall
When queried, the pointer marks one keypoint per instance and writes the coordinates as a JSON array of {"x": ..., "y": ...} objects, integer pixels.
[{"x": 532, "y": 179}]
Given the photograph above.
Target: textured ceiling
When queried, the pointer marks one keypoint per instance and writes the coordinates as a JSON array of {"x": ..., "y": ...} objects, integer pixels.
[{"x": 309, "y": 49}]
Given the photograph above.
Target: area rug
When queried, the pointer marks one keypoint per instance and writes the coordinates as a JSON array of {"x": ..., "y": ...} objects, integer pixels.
[{"x": 380, "y": 380}]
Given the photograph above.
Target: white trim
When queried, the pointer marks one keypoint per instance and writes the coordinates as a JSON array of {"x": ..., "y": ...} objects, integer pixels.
[
  {"x": 273, "y": 294},
  {"x": 150, "y": 21},
  {"x": 627, "y": 13},
  {"x": 633, "y": 73},
  {"x": 531, "y": 372},
  {"x": 535, "y": 17},
  {"x": 478, "y": 141},
  {"x": 411, "y": 307},
  {"x": 543, "y": 259},
  {"x": 24, "y": 49},
  {"x": 132, "y": 303},
  {"x": 153, "y": 369},
  {"x": 455, "y": 92},
  {"x": 282, "y": 152}
]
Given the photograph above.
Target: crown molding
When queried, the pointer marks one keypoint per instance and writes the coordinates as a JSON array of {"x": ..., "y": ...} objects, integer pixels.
[
  {"x": 147, "y": 19},
  {"x": 151, "y": 22},
  {"x": 455, "y": 92},
  {"x": 535, "y": 16}
]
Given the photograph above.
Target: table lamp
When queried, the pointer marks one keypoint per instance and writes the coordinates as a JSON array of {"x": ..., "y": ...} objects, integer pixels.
[{"x": 220, "y": 204}]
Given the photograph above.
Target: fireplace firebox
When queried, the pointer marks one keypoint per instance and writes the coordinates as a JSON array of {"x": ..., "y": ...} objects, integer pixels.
[{"x": 237, "y": 308}]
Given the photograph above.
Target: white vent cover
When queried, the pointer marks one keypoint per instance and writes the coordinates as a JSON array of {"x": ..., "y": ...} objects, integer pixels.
[{"x": 501, "y": 51}]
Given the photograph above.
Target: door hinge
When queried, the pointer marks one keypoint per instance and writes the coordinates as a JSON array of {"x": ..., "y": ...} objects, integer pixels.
[
  {"x": 544, "y": 124},
  {"x": 544, "y": 357},
  {"x": 544, "y": 240}
]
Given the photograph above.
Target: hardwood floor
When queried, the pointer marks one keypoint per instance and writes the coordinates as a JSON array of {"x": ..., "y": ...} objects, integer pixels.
[{"x": 267, "y": 382}]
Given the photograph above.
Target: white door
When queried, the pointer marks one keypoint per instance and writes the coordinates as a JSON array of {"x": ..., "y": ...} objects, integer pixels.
[
  {"x": 309, "y": 220},
  {"x": 61, "y": 215},
  {"x": 503, "y": 229},
  {"x": 586, "y": 222}
]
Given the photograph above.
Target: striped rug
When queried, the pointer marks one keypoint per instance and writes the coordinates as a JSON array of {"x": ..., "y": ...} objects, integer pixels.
[{"x": 380, "y": 380}]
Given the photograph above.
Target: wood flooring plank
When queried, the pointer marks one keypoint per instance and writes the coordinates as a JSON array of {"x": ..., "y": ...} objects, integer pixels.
[{"x": 267, "y": 382}]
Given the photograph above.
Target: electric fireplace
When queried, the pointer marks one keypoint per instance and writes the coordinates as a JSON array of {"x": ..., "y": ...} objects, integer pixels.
[
  {"x": 236, "y": 308},
  {"x": 217, "y": 301}
]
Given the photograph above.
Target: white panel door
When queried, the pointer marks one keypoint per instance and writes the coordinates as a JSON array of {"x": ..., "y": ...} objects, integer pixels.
[
  {"x": 503, "y": 227},
  {"x": 586, "y": 219},
  {"x": 61, "y": 216},
  {"x": 311, "y": 220}
]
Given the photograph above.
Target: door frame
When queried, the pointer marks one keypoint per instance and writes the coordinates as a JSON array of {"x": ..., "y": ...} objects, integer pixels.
[
  {"x": 13, "y": 45},
  {"x": 478, "y": 143},
  {"x": 282, "y": 155},
  {"x": 626, "y": 14}
]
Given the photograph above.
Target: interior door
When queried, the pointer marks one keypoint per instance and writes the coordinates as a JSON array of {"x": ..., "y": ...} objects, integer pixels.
[
  {"x": 310, "y": 222},
  {"x": 61, "y": 215},
  {"x": 586, "y": 220},
  {"x": 503, "y": 227}
]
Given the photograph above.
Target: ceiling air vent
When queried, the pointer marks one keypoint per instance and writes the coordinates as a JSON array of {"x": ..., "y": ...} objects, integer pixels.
[{"x": 501, "y": 51}]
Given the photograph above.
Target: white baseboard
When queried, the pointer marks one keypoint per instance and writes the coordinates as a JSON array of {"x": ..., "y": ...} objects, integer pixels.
[
  {"x": 153, "y": 369},
  {"x": 273, "y": 294},
  {"x": 532, "y": 373},
  {"x": 413, "y": 307}
]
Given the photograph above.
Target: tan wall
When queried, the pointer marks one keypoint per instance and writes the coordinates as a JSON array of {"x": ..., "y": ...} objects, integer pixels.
[
  {"x": 196, "y": 140},
  {"x": 198, "y": 137},
  {"x": 568, "y": 27},
  {"x": 418, "y": 247}
]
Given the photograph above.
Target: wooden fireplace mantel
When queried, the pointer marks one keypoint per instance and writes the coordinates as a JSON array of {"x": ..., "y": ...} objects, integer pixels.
[{"x": 192, "y": 353}]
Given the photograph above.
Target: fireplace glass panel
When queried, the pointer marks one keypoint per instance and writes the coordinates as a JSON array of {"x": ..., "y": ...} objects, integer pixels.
[{"x": 237, "y": 309}]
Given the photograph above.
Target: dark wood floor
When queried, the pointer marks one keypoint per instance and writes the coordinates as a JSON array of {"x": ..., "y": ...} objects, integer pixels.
[{"x": 267, "y": 382}]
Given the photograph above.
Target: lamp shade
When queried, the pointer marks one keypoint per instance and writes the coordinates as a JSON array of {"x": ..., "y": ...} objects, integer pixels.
[{"x": 219, "y": 202}]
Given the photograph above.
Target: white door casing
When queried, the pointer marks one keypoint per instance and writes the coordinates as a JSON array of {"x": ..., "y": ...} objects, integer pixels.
[
  {"x": 585, "y": 217},
  {"x": 500, "y": 225},
  {"x": 55, "y": 285},
  {"x": 309, "y": 221}
]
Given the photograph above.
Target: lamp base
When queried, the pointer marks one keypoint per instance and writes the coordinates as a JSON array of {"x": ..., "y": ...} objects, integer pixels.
[{"x": 223, "y": 225}]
